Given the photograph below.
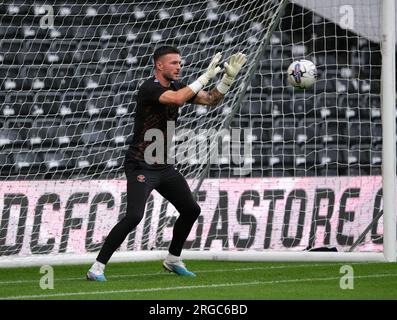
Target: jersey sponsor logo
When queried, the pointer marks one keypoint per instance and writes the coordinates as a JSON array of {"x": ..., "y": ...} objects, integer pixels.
[{"x": 141, "y": 178}]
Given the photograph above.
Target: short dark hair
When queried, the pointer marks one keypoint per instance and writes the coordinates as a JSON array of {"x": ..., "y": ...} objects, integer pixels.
[{"x": 163, "y": 50}]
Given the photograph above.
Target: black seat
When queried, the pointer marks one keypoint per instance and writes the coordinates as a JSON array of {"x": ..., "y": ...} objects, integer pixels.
[
  {"x": 70, "y": 132},
  {"x": 95, "y": 133},
  {"x": 54, "y": 160},
  {"x": 10, "y": 137},
  {"x": 44, "y": 132},
  {"x": 308, "y": 131},
  {"x": 261, "y": 154},
  {"x": 7, "y": 161},
  {"x": 358, "y": 160},
  {"x": 33, "y": 52},
  {"x": 86, "y": 52},
  {"x": 61, "y": 52},
  {"x": 262, "y": 130},
  {"x": 332, "y": 159},
  {"x": 305, "y": 159},
  {"x": 101, "y": 104},
  {"x": 47, "y": 103},
  {"x": 122, "y": 79},
  {"x": 125, "y": 103},
  {"x": 333, "y": 131},
  {"x": 13, "y": 78},
  {"x": 106, "y": 158},
  {"x": 62, "y": 77},
  {"x": 36, "y": 77},
  {"x": 91, "y": 76},
  {"x": 303, "y": 105},
  {"x": 27, "y": 162},
  {"x": 123, "y": 133},
  {"x": 280, "y": 105},
  {"x": 9, "y": 50},
  {"x": 360, "y": 132},
  {"x": 327, "y": 106},
  {"x": 76, "y": 159},
  {"x": 21, "y": 102},
  {"x": 283, "y": 156},
  {"x": 284, "y": 130},
  {"x": 354, "y": 107},
  {"x": 73, "y": 103}
]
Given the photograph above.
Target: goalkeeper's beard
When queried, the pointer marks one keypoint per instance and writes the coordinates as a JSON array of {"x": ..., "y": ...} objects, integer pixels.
[{"x": 171, "y": 77}]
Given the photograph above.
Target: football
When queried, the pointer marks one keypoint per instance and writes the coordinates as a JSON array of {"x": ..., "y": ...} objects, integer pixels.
[{"x": 302, "y": 74}]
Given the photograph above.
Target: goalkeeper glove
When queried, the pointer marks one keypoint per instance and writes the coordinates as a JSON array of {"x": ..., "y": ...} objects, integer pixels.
[
  {"x": 232, "y": 68},
  {"x": 210, "y": 73}
]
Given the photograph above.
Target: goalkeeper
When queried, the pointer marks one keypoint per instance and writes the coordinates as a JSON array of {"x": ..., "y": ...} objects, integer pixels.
[{"x": 158, "y": 100}]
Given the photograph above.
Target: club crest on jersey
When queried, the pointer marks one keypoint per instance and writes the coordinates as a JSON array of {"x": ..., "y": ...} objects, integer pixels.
[{"x": 141, "y": 178}]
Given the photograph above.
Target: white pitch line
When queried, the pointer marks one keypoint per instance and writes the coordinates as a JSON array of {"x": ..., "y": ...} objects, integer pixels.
[
  {"x": 163, "y": 273},
  {"x": 219, "y": 285}
]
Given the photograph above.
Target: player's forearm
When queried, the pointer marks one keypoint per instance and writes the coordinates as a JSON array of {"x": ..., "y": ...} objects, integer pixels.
[
  {"x": 214, "y": 97},
  {"x": 178, "y": 97}
]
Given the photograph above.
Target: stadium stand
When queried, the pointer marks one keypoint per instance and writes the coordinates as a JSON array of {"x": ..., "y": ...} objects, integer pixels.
[{"x": 67, "y": 93}]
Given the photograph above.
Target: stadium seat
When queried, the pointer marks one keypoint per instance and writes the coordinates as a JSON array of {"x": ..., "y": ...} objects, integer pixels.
[
  {"x": 36, "y": 77},
  {"x": 95, "y": 132},
  {"x": 303, "y": 105},
  {"x": 309, "y": 131},
  {"x": 44, "y": 132},
  {"x": 125, "y": 103},
  {"x": 33, "y": 52},
  {"x": 61, "y": 52},
  {"x": 70, "y": 132},
  {"x": 372, "y": 102},
  {"x": 27, "y": 162},
  {"x": 358, "y": 160},
  {"x": 327, "y": 106},
  {"x": 90, "y": 76},
  {"x": 354, "y": 107},
  {"x": 262, "y": 130},
  {"x": 10, "y": 32},
  {"x": 76, "y": 159},
  {"x": 10, "y": 138},
  {"x": 100, "y": 104},
  {"x": 332, "y": 160},
  {"x": 73, "y": 104},
  {"x": 122, "y": 79},
  {"x": 283, "y": 156},
  {"x": 261, "y": 154},
  {"x": 305, "y": 159},
  {"x": 12, "y": 78},
  {"x": 6, "y": 160},
  {"x": 360, "y": 132},
  {"x": 255, "y": 107},
  {"x": 332, "y": 131},
  {"x": 54, "y": 160},
  {"x": 280, "y": 105},
  {"x": 86, "y": 33},
  {"x": 284, "y": 130},
  {"x": 62, "y": 77},
  {"x": 86, "y": 52},
  {"x": 21, "y": 102},
  {"x": 106, "y": 158},
  {"x": 9, "y": 50},
  {"x": 111, "y": 56}
]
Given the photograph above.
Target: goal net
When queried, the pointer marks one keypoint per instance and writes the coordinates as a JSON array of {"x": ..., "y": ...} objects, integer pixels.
[{"x": 272, "y": 168}]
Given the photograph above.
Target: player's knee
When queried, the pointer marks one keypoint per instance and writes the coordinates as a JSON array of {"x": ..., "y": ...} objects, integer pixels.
[
  {"x": 196, "y": 210},
  {"x": 132, "y": 221}
]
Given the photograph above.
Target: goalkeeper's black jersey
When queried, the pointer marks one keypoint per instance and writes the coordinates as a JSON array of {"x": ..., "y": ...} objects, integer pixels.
[{"x": 151, "y": 114}]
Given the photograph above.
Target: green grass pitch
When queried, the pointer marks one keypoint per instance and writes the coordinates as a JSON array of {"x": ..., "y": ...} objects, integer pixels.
[{"x": 215, "y": 280}]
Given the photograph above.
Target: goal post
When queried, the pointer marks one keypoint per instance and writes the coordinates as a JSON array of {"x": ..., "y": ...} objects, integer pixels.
[
  {"x": 388, "y": 92},
  {"x": 277, "y": 172}
]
